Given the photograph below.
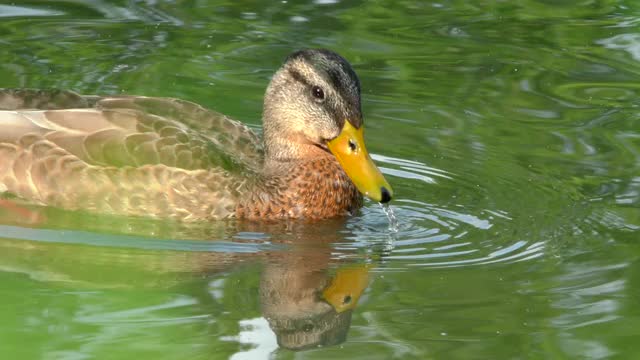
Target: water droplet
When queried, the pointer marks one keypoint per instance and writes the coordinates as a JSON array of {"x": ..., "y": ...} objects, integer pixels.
[{"x": 393, "y": 221}]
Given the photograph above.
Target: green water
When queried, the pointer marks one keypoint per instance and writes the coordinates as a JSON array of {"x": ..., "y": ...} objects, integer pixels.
[{"x": 509, "y": 131}]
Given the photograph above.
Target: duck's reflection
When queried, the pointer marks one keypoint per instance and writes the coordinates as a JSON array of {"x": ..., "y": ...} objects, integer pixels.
[
  {"x": 307, "y": 294},
  {"x": 296, "y": 311},
  {"x": 306, "y": 303},
  {"x": 308, "y": 286}
]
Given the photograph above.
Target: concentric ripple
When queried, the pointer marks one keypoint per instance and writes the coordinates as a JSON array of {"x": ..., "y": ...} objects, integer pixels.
[{"x": 434, "y": 235}]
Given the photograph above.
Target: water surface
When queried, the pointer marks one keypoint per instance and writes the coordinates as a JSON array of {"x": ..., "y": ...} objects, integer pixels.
[{"x": 508, "y": 130}]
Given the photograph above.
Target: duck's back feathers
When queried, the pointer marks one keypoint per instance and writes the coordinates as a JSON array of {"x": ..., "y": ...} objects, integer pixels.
[
  {"x": 130, "y": 130},
  {"x": 63, "y": 149}
]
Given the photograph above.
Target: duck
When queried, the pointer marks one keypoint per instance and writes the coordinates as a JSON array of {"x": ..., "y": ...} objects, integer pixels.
[{"x": 169, "y": 158}]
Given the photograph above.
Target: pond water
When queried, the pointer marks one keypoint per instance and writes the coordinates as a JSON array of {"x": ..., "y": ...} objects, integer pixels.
[{"x": 509, "y": 131}]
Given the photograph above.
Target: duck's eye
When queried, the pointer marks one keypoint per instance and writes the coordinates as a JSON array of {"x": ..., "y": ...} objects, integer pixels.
[
  {"x": 308, "y": 327},
  {"x": 317, "y": 92}
]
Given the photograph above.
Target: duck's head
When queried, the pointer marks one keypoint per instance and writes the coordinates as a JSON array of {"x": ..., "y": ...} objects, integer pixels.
[{"x": 312, "y": 106}]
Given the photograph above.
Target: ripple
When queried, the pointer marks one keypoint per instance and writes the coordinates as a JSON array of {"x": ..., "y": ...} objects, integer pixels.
[
  {"x": 596, "y": 81},
  {"x": 252, "y": 242},
  {"x": 20, "y": 11},
  {"x": 410, "y": 169},
  {"x": 438, "y": 235},
  {"x": 600, "y": 94},
  {"x": 146, "y": 314},
  {"x": 627, "y": 42}
]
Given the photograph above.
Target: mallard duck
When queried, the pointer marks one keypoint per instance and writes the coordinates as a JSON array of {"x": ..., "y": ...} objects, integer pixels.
[{"x": 170, "y": 158}]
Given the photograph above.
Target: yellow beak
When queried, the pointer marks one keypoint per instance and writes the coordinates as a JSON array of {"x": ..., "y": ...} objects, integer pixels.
[
  {"x": 352, "y": 155},
  {"x": 347, "y": 287}
]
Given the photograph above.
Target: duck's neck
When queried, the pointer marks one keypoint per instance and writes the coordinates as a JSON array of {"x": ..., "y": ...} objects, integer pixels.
[
  {"x": 284, "y": 130},
  {"x": 311, "y": 188},
  {"x": 292, "y": 148}
]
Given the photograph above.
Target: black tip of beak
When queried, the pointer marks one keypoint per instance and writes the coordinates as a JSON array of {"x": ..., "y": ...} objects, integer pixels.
[{"x": 386, "y": 196}]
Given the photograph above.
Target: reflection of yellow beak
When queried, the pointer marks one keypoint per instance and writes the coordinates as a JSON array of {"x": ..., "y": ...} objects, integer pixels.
[
  {"x": 345, "y": 289},
  {"x": 352, "y": 155}
]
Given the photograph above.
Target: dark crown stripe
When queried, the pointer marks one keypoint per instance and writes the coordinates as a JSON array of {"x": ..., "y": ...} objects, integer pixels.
[
  {"x": 336, "y": 71},
  {"x": 298, "y": 77}
]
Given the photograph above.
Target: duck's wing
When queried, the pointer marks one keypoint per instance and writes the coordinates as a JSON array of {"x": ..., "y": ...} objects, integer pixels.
[
  {"x": 125, "y": 155},
  {"x": 130, "y": 130},
  {"x": 230, "y": 137},
  {"x": 17, "y": 99}
]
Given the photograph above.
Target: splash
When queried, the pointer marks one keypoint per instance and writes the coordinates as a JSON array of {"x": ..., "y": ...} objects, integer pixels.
[{"x": 393, "y": 221}]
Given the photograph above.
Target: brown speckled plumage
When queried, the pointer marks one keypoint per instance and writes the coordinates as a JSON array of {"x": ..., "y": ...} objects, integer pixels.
[
  {"x": 170, "y": 158},
  {"x": 311, "y": 189}
]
